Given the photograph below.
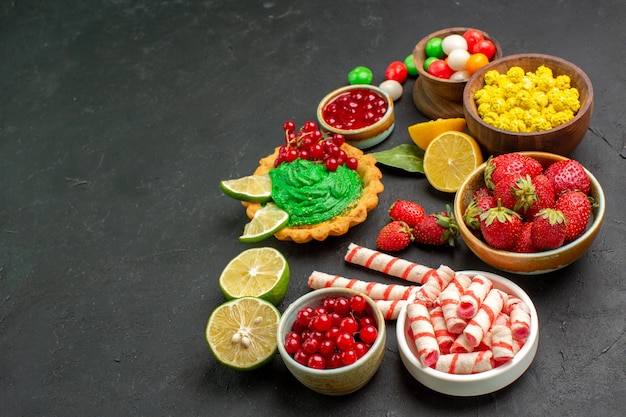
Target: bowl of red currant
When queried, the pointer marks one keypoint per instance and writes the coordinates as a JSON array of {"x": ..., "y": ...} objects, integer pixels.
[
  {"x": 332, "y": 340},
  {"x": 362, "y": 113}
]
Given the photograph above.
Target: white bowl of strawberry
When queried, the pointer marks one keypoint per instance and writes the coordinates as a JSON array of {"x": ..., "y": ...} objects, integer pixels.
[
  {"x": 332, "y": 340},
  {"x": 436, "y": 348},
  {"x": 529, "y": 212}
]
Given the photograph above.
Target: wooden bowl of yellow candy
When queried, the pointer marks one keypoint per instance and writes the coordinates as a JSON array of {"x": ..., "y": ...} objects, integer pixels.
[{"x": 528, "y": 102}]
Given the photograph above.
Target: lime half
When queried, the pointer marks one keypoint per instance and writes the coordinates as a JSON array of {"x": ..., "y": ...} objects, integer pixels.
[
  {"x": 241, "y": 333},
  {"x": 257, "y": 272},
  {"x": 255, "y": 188},
  {"x": 266, "y": 221}
]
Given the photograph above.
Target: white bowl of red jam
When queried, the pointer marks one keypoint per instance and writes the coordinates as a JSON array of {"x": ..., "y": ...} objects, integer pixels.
[{"x": 362, "y": 113}]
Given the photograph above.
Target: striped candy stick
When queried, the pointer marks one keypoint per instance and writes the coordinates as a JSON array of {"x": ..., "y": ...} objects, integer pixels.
[
  {"x": 449, "y": 300},
  {"x": 487, "y": 313},
  {"x": 390, "y": 308},
  {"x": 387, "y": 264},
  {"x": 436, "y": 282},
  {"x": 465, "y": 363},
  {"x": 374, "y": 290},
  {"x": 445, "y": 339},
  {"x": 474, "y": 296},
  {"x": 423, "y": 333},
  {"x": 520, "y": 318}
]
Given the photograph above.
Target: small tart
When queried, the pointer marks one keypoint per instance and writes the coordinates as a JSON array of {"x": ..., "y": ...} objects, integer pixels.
[{"x": 372, "y": 186}]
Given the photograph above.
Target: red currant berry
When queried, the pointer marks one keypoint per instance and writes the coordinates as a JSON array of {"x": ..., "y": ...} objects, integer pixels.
[
  {"x": 368, "y": 334},
  {"x": 339, "y": 139},
  {"x": 349, "y": 325},
  {"x": 289, "y": 126},
  {"x": 292, "y": 345},
  {"x": 317, "y": 151},
  {"x": 301, "y": 357},
  {"x": 352, "y": 163},
  {"x": 292, "y": 155},
  {"x": 310, "y": 345},
  {"x": 304, "y": 316},
  {"x": 332, "y": 333},
  {"x": 334, "y": 361},
  {"x": 360, "y": 349},
  {"x": 348, "y": 357},
  {"x": 357, "y": 303},
  {"x": 327, "y": 347},
  {"x": 304, "y": 154},
  {"x": 322, "y": 322},
  {"x": 364, "y": 321},
  {"x": 331, "y": 164},
  {"x": 329, "y": 304},
  {"x": 344, "y": 341},
  {"x": 317, "y": 361},
  {"x": 336, "y": 319},
  {"x": 309, "y": 126},
  {"x": 342, "y": 306}
]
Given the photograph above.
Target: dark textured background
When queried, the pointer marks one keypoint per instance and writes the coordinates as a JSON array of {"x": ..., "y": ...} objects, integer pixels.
[{"x": 119, "y": 118}]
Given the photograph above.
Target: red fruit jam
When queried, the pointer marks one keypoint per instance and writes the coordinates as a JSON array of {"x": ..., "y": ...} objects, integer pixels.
[{"x": 355, "y": 109}]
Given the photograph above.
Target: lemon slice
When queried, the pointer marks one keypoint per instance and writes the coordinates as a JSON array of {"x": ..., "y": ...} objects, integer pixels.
[
  {"x": 266, "y": 221},
  {"x": 255, "y": 188},
  {"x": 257, "y": 272},
  {"x": 241, "y": 333},
  {"x": 449, "y": 159},
  {"x": 423, "y": 133}
]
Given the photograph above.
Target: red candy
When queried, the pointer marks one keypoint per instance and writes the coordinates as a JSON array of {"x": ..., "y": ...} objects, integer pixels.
[
  {"x": 439, "y": 68},
  {"x": 397, "y": 71}
]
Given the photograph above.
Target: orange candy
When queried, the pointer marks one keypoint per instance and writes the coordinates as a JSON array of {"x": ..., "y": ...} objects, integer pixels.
[{"x": 476, "y": 62}]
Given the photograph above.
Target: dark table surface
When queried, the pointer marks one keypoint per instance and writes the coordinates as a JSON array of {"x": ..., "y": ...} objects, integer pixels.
[{"x": 119, "y": 118}]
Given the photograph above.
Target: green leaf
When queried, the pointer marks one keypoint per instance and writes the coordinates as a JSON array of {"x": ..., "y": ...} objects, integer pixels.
[{"x": 408, "y": 157}]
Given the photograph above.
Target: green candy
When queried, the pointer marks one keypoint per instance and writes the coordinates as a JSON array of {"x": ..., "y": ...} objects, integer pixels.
[
  {"x": 410, "y": 65},
  {"x": 434, "y": 48},
  {"x": 360, "y": 75},
  {"x": 428, "y": 61}
]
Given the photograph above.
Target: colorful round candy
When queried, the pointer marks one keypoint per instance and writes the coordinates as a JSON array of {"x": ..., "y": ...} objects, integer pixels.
[
  {"x": 452, "y": 42},
  {"x": 434, "y": 48},
  {"x": 410, "y": 65},
  {"x": 360, "y": 75}
]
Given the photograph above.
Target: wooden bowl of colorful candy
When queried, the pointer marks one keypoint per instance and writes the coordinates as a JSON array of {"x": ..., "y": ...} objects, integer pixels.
[
  {"x": 461, "y": 351},
  {"x": 445, "y": 60},
  {"x": 528, "y": 102}
]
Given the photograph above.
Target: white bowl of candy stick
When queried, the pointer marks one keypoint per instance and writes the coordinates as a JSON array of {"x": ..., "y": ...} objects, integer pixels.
[{"x": 480, "y": 355}]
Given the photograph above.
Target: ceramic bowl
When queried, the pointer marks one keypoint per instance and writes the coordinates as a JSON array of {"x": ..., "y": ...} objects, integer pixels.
[
  {"x": 339, "y": 381},
  {"x": 561, "y": 140},
  {"x": 363, "y": 137},
  {"x": 479, "y": 383},
  {"x": 528, "y": 263},
  {"x": 436, "y": 97}
]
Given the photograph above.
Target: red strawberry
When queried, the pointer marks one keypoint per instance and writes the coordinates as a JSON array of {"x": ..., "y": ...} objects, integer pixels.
[
  {"x": 507, "y": 164},
  {"x": 548, "y": 229},
  {"x": 524, "y": 242},
  {"x": 509, "y": 189},
  {"x": 500, "y": 227},
  {"x": 576, "y": 208},
  {"x": 394, "y": 237},
  {"x": 471, "y": 217},
  {"x": 436, "y": 229},
  {"x": 406, "y": 211},
  {"x": 481, "y": 192},
  {"x": 568, "y": 175},
  {"x": 525, "y": 195}
]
